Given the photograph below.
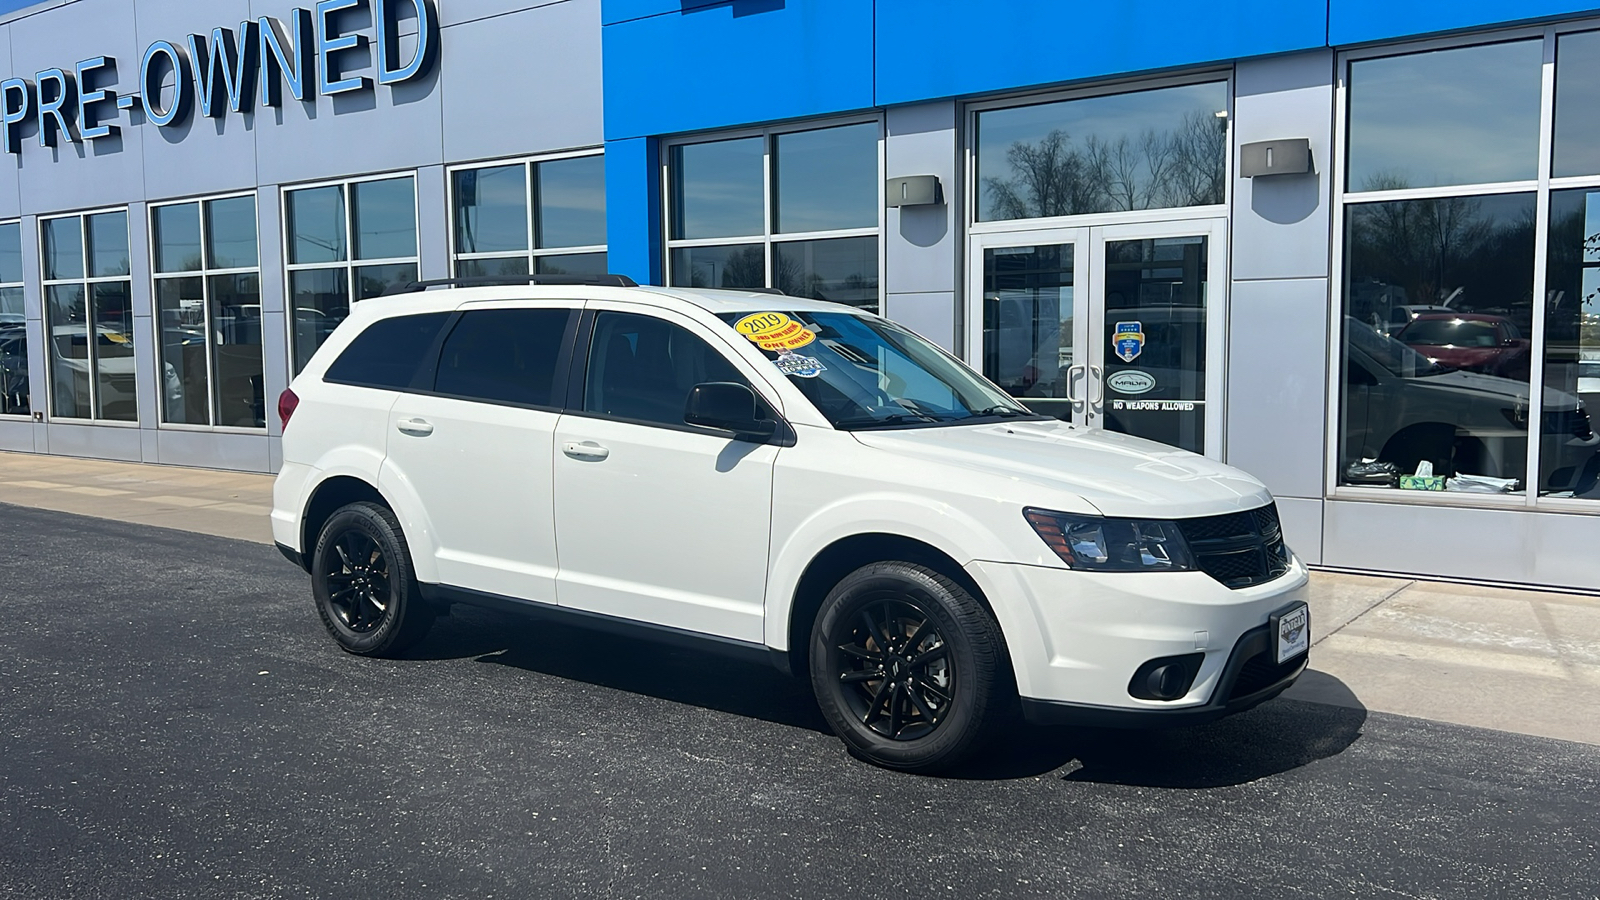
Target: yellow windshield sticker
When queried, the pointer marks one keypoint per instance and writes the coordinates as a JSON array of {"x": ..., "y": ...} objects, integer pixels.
[{"x": 774, "y": 331}]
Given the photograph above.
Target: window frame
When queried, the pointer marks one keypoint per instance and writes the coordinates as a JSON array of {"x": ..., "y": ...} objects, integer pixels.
[
  {"x": 350, "y": 263},
  {"x": 529, "y": 191},
  {"x": 1542, "y": 187},
  {"x": 969, "y": 151},
  {"x": 204, "y": 273},
  {"x": 87, "y": 282},
  {"x": 768, "y": 237},
  {"x": 27, "y": 416}
]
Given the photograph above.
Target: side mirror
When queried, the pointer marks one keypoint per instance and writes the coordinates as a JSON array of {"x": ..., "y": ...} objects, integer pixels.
[{"x": 726, "y": 406}]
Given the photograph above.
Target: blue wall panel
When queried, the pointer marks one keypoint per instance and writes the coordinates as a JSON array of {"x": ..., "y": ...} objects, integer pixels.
[
  {"x": 633, "y": 210},
  {"x": 999, "y": 46},
  {"x": 1357, "y": 21},
  {"x": 615, "y": 11},
  {"x": 736, "y": 62}
]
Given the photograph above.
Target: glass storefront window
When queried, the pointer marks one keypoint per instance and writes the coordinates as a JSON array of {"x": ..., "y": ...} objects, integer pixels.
[
  {"x": 89, "y": 316},
  {"x": 1028, "y": 316},
  {"x": 1569, "y": 451},
  {"x": 1438, "y": 304},
  {"x": 1466, "y": 115},
  {"x": 208, "y": 312},
  {"x": 818, "y": 236},
  {"x": 15, "y": 393},
  {"x": 1152, "y": 149},
  {"x": 545, "y": 217},
  {"x": 380, "y": 232}
]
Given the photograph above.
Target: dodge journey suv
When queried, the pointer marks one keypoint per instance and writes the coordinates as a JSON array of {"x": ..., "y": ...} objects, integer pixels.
[{"x": 795, "y": 481}]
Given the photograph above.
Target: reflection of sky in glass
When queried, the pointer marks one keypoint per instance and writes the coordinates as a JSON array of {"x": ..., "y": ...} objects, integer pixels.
[
  {"x": 108, "y": 244},
  {"x": 1464, "y": 116},
  {"x": 572, "y": 202},
  {"x": 384, "y": 219},
  {"x": 492, "y": 209},
  {"x": 1577, "y": 139},
  {"x": 177, "y": 237},
  {"x": 1591, "y": 227},
  {"x": 717, "y": 189},
  {"x": 1107, "y": 119},
  {"x": 827, "y": 179},
  {"x": 11, "y": 252},
  {"x": 231, "y": 224},
  {"x": 316, "y": 222}
]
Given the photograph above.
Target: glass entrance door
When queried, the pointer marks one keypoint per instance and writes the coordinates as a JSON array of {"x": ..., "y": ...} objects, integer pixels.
[{"x": 1116, "y": 327}]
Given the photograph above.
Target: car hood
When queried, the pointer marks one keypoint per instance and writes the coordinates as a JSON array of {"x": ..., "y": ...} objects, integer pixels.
[{"x": 1120, "y": 475}]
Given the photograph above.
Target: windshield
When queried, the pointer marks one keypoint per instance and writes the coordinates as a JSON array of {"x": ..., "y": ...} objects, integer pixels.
[
  {"x": 865, "y": 372},
  {"x": 1452, "y": 332}
]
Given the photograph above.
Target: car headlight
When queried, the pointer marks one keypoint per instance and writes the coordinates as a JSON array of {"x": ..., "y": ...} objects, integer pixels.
[{"x": 1112, "y": 545}]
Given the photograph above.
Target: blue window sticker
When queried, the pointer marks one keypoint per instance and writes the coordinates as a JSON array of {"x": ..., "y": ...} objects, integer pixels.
[{"x": 1128, "y": 341}]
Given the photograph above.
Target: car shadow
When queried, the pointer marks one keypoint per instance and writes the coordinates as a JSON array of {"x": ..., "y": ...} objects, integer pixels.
[
  {"x": 621, "y": 663},
  {"x": 1273, "y": 738}
]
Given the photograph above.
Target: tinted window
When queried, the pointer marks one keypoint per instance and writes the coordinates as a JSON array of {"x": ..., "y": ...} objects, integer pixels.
[
  {"x": 1467, "y": 115},
  {"x": 503, "y": 356},
  {"x": 827, "y": 179},
  {"x": 716, "y": 189},
  {"x": 387, "y": 354},
  {"x": 642, "y": 368}
]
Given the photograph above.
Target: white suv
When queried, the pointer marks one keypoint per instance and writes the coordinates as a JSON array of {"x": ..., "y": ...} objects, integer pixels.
[{"x": 792, "y": 480}]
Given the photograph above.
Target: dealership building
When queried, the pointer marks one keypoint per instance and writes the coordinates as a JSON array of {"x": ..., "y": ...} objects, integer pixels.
[{"x": 1352, "y": 247}]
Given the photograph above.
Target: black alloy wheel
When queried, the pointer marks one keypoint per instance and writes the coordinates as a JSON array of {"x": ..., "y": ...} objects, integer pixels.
[
  {"x": 907, "y": 666},
  {"x": 365, "y": 589},
  {"x": 358, "y": 586},
  {"x": 897, "y": 667}
]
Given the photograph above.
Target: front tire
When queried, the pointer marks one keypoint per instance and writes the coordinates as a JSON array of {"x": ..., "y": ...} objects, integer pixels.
[
  {"x": 906, "y": 666},
  {"x": 366, "y": 591}
]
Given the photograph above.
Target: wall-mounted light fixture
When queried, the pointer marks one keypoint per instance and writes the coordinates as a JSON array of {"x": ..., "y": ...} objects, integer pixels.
[
  {"x": 1290, "y": 156},
  {"x": 912, "y": 190}
]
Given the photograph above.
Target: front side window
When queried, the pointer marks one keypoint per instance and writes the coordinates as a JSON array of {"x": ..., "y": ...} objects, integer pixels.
[
  {"x": 864, "y": 372},
  {"x": 541, "y": 217},
  {"x": 346, "y": 243},
  {"x": 642, "y": 368},
  {"x": 793, "y": 210},
  {"x": 88, "y": 302},
  {"x": 208, "y": 312},
  {"x": 1152, "y": 149},
  {"x": 15, "y": 395}
]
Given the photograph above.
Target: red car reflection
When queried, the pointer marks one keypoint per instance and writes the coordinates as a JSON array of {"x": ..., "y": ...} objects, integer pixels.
[{"x": 1471, "y": 341}]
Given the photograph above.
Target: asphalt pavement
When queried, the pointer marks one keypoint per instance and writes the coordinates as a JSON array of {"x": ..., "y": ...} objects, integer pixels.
[{"x": 174, "y": 723}]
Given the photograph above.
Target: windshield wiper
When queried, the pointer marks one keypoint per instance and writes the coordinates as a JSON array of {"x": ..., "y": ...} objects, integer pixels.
[
  {"x": 1006, "y": 411},
  {"x": 894, "y": 419}
]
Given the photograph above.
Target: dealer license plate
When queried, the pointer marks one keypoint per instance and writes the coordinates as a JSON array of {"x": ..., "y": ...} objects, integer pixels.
[{"x": 1292, "y": 632}]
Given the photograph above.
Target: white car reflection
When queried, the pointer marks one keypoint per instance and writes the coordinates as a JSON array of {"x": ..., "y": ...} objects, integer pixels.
[{"x": 115, "y": 362}]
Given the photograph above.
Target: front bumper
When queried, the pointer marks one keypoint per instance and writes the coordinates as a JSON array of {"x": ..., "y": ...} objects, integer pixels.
[
  {"x": 1249, "y": 678},
  {"x": 1076, "y": 639}
]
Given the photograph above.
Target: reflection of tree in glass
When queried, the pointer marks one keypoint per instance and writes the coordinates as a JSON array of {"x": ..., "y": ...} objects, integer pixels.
[
  {"x": 742, "y": 268},
  {"x": 1056, "y": 177},
  {"x": 1471, "y": 251}
]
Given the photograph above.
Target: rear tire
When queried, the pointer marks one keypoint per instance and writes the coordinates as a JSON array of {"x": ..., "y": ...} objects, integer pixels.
[
  {"x": 365, "y": 589},
  {"x": 907, "y": 667}
]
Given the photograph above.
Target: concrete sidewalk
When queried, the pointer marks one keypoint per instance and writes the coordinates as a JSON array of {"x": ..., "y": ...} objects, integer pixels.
[{"x": 1514, "y": 660}]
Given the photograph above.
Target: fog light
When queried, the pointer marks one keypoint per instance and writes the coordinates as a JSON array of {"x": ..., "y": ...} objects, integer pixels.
[{"x": 1166, "y": 678}]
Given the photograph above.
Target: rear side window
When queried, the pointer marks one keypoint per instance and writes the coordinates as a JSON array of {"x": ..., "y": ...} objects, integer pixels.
[
  {"x": 388, "y": 353},
  {"x": 503, "y": 356}
]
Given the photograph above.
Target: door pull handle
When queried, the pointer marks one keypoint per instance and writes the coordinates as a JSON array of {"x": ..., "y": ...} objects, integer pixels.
[
  {"x": 415, "y": 427},
  {"x": 587, "y": 450},
  {"x": 1098, "y": 380},
  {"x": 1072, "y": 379}
]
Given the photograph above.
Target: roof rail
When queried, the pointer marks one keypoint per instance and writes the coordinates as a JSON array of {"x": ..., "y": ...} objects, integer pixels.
[{"x": 606, "y": 280}]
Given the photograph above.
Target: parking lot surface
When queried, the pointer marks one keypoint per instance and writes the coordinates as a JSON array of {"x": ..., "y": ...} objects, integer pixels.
[{"x": 174, "y": 723}]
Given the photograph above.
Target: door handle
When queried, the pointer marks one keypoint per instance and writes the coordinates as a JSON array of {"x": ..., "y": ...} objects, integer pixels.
[
  {"x": 1097, "y": 378},
  {"x": 415, "y": 427},
  {"x": 587, "y": 450},
  {"x": 1072, "y": 379}
]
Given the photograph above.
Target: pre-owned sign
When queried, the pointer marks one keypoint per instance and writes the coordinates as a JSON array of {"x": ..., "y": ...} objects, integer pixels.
[{"x": 219, "y": 73}]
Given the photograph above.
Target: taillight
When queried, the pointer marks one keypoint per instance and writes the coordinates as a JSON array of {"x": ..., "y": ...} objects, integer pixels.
[{"x": 287, "y": 402}]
